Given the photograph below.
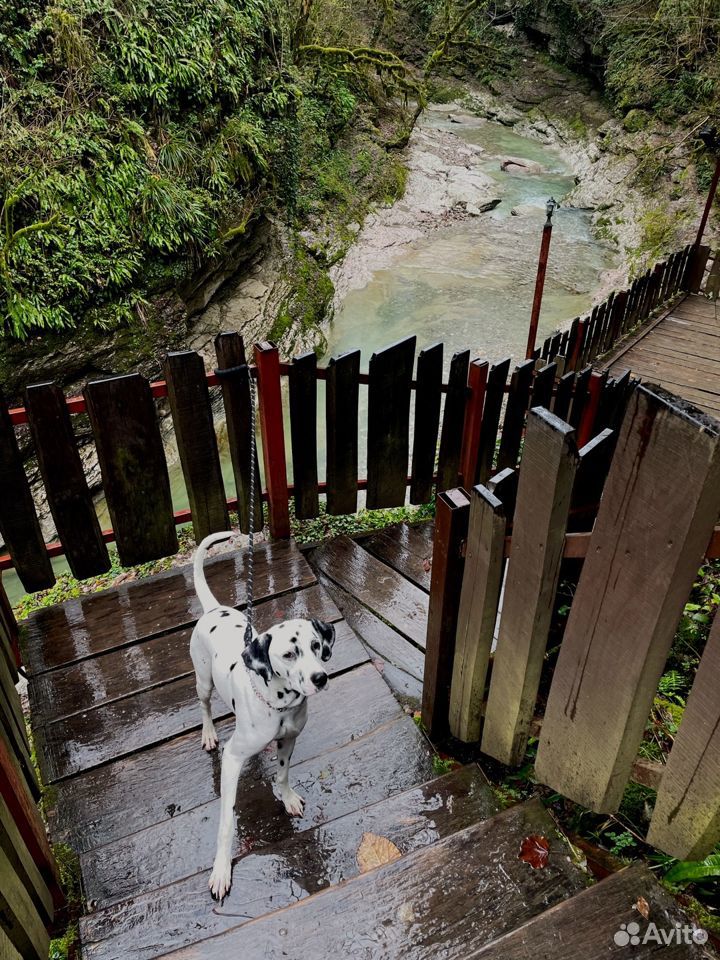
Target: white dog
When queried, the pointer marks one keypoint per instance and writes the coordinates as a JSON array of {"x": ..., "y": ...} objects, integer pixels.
[{"x": 266, "y": 683}]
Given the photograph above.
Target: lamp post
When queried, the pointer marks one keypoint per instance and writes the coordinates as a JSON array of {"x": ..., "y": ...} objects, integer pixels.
[
  {"x": 550, "y": 208},
  {"x": 709, "y": 137}
]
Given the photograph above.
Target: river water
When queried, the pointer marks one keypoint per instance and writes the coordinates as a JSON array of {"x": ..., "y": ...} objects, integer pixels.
[{"x": 467, "y": 284}]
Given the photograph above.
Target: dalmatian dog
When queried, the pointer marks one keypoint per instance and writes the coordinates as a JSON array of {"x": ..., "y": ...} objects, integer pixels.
[{"x": 266, "y": 682}]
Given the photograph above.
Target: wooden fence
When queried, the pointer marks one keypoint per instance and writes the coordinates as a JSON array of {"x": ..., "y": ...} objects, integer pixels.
[
  {"x": 659, "y": 501},
  {"x": 29, "y": 892},
  {"x": 480, "y": 429}
]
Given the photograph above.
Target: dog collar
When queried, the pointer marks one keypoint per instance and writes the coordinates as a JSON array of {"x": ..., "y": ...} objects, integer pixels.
[{"x": 261, "y": 698}]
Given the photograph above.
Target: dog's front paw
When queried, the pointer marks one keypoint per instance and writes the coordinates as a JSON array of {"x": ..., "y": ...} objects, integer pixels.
[
  {"x": 294, "y": 803},
  {"x": 209, "y": 738},
  {"x": 220, "y": 879}
]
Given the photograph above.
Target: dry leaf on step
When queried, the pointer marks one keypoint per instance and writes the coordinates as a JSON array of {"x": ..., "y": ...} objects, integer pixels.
[
  {"x": 535, "y": 851},
  {"x": 643, "y": 907},
  {"x": 375, "y": 851}
]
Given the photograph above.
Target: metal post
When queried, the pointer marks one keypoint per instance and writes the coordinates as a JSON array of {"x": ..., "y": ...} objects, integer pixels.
[
  {"x": 550, "y": 208},
  {"x": 709, "y": 137}
]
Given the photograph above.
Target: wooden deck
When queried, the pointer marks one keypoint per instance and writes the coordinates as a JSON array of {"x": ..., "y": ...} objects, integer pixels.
[
  {"x": 680, "y": 351},
  {"x": 116, "y": 724}
]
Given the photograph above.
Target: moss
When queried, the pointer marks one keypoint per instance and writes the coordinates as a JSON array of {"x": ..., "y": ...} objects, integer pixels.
[
  {"x": 444, "y": 91},
  {"x": 659, "y": 229},
  {"x": 636, "y": 120}
]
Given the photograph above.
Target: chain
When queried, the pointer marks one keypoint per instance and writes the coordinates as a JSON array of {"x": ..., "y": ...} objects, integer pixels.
[{"x": 250, "y": 587}]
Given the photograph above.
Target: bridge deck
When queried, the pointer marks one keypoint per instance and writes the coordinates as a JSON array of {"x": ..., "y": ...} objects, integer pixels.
[{"x": 679, "y": 351}]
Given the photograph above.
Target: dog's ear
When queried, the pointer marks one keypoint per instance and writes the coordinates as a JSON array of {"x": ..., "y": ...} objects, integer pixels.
[
  {"x": 256, "y": 656},
  {"x": 326, "y": 632}
]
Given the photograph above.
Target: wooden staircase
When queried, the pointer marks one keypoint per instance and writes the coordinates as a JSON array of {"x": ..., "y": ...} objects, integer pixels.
[{"x": 116, "y": 723}]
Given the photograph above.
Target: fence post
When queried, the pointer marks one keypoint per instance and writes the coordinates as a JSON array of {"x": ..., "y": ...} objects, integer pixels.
[
  {"x": 595, "y": 388},
  {"x": 451, "y": 525},
  {"x": 545, "y": 486},
  {"x": 477, "y": 383},
  {"x": 273, "y": 437},
  {"x": 478, "y": 611},
  {"x": 686, "y": 818},
  {"x": 656, "y": 516}
]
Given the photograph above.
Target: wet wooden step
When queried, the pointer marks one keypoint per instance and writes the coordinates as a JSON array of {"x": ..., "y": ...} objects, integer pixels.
[
  {"x": 445, "y": 900},
  {"x": 585, "y": 927},
  {"x": 406, "y": 548},
  {"x": 402, "y": 663},
  {"x": 119, "y": 673},
  {"x": 95, "y": 623},
  {"x": 377, "y": 586},
  {"x": 115, "y": 800},
  {"x": 277, "y": 875}
]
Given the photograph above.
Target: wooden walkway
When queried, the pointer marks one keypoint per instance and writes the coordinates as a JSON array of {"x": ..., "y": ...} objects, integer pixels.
[
  {"x": 116, "y": 724},
  {"x": 680, "y": 351}
]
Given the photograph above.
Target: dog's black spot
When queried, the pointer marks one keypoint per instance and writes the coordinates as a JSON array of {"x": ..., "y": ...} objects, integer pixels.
[
  {"x": 282, "y": 763},
  {"x": 232, "y": 666},
  {"x": 238, "y": 625},
  {"x": 213, "y": 628},
  {"x": 279, "y": 744},
  {"x": 286, "y": 690},
  {"x": 224, "y": 613},
  {"x": 280, "y": 694},
  {"x": 233, "y": 703}
]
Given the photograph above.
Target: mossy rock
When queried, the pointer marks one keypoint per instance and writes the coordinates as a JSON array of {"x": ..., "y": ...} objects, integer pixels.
[{"x": 636, "y": 120}]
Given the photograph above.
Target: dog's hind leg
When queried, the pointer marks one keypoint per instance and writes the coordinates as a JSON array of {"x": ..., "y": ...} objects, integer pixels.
[
  {"x": 233, "y": 760},
  {"x": 204, "y": 687}
]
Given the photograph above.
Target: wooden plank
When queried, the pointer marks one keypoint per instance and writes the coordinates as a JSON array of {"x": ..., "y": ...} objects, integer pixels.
[
  {"x": 302, "y": 379},
  {"x": 563, "y": 396},
  {"x": 593, "y": 467},
  {"x": 25, "y": 868},
  {"x": 451, "y": 525},
  {"x": 66, "y": 488},
  {"x": 482, "y": 578},
  {"x": 341, "y": 420},
  {"x": 324, "y": 855},
  {"x": 402, "y": 664},
  {"x": 12, "y": 729},
  {"x": 581, "y": 397},
  {"x": 189, "y": 400},
  {"x": 636, "y": 578},
  {"x": 428, "y": 397},
  {"x": 453, "y": 422},
  {"x": 120, "y": 617},
  {"x": 477, "y": 386},
  {"x": 546, "y": 478},
  {"x": 388, "y": 594},
  {"x": 504, "y": 486},
  {"x": 388, "y": 441},
  {"x": 517, "y": 406},
  {"x": 585, "y": 927},
  {"x": 233, "y": 374},
  {"x": 270, "y": 413},
  {"x": 134, "y": 472},
  {"x": 494, "y": 397},
  {"x": 453, "y": 914},
  {"x": 110, "y": 802},
  {"x": 20, "y": 919},
  {"x": 543, "y": 386},
  {"x": 595, "y": 387},
  {"x": 686, "y": 818},
  {"x": 394, "y": 547},
  {"x": 26, "y": 818},
  {"x": 19, "y": 525}
]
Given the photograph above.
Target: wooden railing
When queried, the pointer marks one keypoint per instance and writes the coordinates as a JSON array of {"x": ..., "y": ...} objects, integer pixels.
[
  {"x": 474, "y": 437},
  {"x": 30, "y": 893},
  {"x": 613, "y": 319},
  {"x": 659, "y": 501}
]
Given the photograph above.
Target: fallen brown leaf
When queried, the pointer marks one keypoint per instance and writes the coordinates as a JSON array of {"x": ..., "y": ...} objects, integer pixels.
[
  {"x": 375, "y": 851},
  {"x": 535, "y": 850},
  {"x": 427, "y": 564},
  {"x": 643, "y": 907}
]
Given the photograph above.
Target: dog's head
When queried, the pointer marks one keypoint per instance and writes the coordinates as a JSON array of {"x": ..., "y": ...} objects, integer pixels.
[{"x": 293, "y": 651}]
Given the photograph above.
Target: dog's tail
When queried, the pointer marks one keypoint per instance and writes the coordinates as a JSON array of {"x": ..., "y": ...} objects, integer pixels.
[{"x": 207, "y": 600}]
